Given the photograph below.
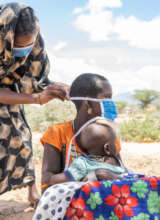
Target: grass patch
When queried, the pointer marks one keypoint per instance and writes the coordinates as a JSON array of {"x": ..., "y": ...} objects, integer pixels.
[
  {"x": 40, "y": 118},
  {"x": 145, "y": 129}
]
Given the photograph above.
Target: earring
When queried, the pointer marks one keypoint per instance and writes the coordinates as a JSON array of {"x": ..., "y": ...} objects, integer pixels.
[
  {"x": 108, "y": 153},
  {"x": 89, "y": 111}
]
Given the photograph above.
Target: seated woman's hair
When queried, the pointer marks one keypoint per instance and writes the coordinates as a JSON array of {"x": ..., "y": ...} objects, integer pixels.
[
  {"x": 26, "y": 22},
  {"x": 85, "y": 85}
]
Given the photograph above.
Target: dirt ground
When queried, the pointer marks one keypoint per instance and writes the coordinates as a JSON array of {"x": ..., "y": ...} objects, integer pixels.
[
  {"x": 19, "y": 216},
  {"x": 141, "y": 158}
]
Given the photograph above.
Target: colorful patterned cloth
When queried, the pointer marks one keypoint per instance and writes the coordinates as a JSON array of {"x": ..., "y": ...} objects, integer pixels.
[
  {"x": 55, "y": 201},
  {"x": 128, "y": 199}
]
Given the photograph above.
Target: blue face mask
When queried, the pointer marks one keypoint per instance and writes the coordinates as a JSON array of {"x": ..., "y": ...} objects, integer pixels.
[
  {"x": 108, "y": 109},
  {"x": 108, "y": 106},
  {"x": 22, "y": 52}
]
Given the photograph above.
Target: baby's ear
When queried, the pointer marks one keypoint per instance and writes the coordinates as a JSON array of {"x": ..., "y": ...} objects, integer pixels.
[{"x": 107, "y": 149}]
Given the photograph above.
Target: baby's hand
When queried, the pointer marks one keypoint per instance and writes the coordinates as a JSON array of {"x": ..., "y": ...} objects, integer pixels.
[
  {"x": 106, "y": 175},
  {"x": 85, "y": 179},
  {"x": 90, "y": 177}
]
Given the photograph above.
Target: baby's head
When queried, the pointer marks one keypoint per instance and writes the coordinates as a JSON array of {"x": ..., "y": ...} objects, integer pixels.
[{"x": 99, "y": 139}]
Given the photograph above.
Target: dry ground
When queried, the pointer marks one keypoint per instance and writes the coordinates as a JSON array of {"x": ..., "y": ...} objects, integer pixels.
[{"x": 141, "y": 158}]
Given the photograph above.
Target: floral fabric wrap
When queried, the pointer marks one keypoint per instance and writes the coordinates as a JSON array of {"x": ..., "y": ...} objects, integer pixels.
[{"x": 128, "y": 199}]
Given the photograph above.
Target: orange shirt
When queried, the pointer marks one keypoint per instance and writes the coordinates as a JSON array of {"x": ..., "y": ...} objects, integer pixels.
[{"x": 59, "y": 134}]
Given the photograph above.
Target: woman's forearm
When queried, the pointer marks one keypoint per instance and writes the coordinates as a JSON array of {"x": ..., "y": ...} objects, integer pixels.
[
  {"x": 9, "y": 97},
  {"x": 56, "y": 178}
]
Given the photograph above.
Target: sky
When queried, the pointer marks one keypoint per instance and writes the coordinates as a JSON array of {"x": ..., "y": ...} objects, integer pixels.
[{"x": 119, "y": 39}]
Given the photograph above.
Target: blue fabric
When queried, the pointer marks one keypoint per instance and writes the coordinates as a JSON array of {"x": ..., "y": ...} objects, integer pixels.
[
  {"x": 109, "y": 110},
  {"x": 69, "y": 175},
  {"x": 22, "y": 52},
  {"x": 127, "y": 199}
]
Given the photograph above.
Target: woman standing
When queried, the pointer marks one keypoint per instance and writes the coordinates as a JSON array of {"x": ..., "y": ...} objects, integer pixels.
[{"x": 24, "y": 67}]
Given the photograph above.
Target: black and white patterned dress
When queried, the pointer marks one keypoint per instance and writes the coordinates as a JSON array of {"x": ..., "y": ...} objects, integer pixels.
[{"x": 22, "y": 75}]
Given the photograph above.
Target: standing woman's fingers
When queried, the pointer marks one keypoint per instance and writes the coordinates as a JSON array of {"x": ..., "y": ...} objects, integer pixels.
[{"x": 59, "y": 90}]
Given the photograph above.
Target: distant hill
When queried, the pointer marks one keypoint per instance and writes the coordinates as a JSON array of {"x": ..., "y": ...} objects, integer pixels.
[{"x": 125, "y": 97}]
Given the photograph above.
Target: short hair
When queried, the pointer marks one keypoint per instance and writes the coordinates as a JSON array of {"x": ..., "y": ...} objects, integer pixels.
[
  {"x": 26, "y": 22},
  {"x": 85, "y": 85}
]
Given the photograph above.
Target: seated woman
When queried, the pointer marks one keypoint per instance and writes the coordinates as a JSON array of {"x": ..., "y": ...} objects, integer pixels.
[
  {"x": 57, "y": 141},
  {"x": 58, "y": 138},
  {"x": 125, "y": 199}
]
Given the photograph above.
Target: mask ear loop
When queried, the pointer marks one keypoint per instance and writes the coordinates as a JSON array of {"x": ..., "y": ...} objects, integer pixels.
[
  {"x": 102, "y": 108},
  {"x": 88, "y": 99},
  {"x": 78, "y": 132}
]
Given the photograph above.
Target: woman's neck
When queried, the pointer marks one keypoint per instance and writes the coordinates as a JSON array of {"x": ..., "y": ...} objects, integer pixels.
[{"x": 79, "y": 122}]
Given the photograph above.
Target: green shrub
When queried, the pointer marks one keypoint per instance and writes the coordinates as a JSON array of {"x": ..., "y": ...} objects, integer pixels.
[
  {"x": 40, "y": 118},
  {"x": 121, "y": 106},
  {"x": 137, "y": 129}
]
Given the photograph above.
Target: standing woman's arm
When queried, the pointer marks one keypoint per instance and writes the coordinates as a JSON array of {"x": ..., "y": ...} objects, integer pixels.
[
  {"x": 53, "y": 91},
  {"x": 9, "y": 97}
]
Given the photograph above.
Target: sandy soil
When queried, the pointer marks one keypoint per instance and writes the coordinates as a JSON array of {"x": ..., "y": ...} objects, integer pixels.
[{"x": 142, "y": 158}]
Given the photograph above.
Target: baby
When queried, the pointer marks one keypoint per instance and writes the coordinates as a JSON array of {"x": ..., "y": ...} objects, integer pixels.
[{"x": 99, "y": 140}]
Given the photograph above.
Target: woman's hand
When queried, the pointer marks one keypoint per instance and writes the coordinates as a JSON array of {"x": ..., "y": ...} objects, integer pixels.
[
  {"x": 106, "y": 175},
  {"x": 56, "y": 90}
]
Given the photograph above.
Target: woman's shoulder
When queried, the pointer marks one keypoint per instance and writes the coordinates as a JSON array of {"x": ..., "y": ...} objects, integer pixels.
[
  {"x": 62, "y": 126},
  {"x": 56, "y": 134},
  {"x": 57, "y": 131}
]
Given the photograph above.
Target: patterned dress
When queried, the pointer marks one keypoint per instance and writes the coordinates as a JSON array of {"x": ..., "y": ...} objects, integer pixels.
[{"x": 22, "y": 75}]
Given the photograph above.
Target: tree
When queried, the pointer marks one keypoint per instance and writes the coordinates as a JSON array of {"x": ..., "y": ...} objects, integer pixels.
[{"x": 146, "y": 96}]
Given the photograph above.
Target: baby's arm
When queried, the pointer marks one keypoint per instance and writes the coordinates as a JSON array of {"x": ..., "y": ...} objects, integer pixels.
[
  {"x": 111, "y": 160},
  {"x": 77, "y": 170},
  {"x": 106, "y": 175}
]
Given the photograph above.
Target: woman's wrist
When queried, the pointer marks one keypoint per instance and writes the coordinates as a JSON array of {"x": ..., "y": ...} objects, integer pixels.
[
  {"x": 10, "y": 97},
  {"x": 37, "y": 99}
]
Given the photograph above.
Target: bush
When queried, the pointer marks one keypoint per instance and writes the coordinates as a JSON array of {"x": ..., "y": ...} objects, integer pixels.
[
  {"x": 40, "y": 118},
  {"x": 141, "y": 130},
  {"x": 121, "y": 106}
]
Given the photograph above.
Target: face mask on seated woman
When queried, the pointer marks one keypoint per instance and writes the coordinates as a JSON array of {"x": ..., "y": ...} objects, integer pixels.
[{"x": 108, "y": 106}]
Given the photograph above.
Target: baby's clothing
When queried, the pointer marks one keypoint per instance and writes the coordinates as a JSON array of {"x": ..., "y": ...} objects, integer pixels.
[{"x": 83, "y": 165}]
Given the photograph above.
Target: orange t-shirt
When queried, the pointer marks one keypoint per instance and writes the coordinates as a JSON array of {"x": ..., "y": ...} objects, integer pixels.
[{"x": 60, "y": 134}]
